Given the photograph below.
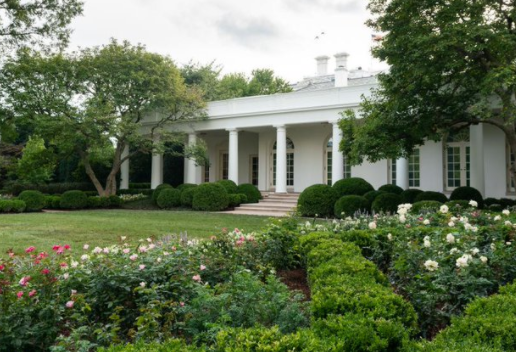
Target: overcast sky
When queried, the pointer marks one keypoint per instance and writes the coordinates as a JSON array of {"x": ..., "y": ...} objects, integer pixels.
[{"x": 240, "y": 35}]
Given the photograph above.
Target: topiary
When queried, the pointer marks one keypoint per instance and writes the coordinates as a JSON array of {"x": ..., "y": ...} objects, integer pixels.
[
  {"x": 157, "y": 190},
  {"x": 169, "y": 198},
  {"x": 34, "y": 200},
  {"x": 234, "y": 200},
  {"x": 187, "y": 196},
  {"x": 371, "y": 196},
  {"x": 17, "y": 206},
  {"x": 390, "y": 188},
  {"x": 317, "y": 200},
  {"x": 425, "y": 206},
  {"x": 468, "y": 193},
  {"x": 52, "y": 202},
  {"x": 73, "y": 200},
  {"x": 251, "y": 191},
  {"x": 242, "y": 198},
  {"x": 230, "y": 186},
  {"x": 210, "y": 197},
  {"x": 386, "y": 203},
  {"x": 489, "y": 201},
  {"x": 409, "y": 195},
  {"x": 495, "y": 207},
  {"x": 352, "y": 186},
  {"x": 349, "y": 205},
  {"x": 115, "y": 201},
  {"x": 430, "y": 195},
  {"x": 506, "y": 202},
  {"x": 93, "y": 202},
  {"x": 458, "y": 204},
  {"x": 184, "y": 186}
]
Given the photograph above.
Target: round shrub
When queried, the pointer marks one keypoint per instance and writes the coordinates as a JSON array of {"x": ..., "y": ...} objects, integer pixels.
[
  {"x": 34, "y": 200},
  {"x": 352, "y": 186},
  {"x": 425, "y": 206},
  {"x": 17, "y": 206},
  {"x": 104, "y": 202},
  {"x": 234, "y": 200},
  {"x": 52, "y": 202},
  {"x": 490, "y": 201},
  {"x": 458, "y": 204},
  {"x": 429, "y": 195},
  {"x": 169, "y": 198},
  {"x": 506, "y": 202},
  {"x": 467, "y": 193},
  {"x": 252, "y": 193},
  {"x": 93, "y": 202},
  {"x": 230, "y": 186},
  {"x": 184, "y": 186},
  {"x": 243, "y": 198},
  {"x": 390, "y": 188},
  {"x": 349, "y": 205},
  {"x": 73, "y": 200},
  {"x": 371, "y": 196},
  {"x": 317, "y": 200},
  {"x": 6, "y": 205},
  {"x": 210, "y": 197},
  {"x": 187, "y": 196},
  {"x": 156, "y": 192},
  {"x": 115, "y": 201},
  {"x": 386, "y": 203},
  {"x": 409, "y": 195},
  {"x": 495, "y": 207}
]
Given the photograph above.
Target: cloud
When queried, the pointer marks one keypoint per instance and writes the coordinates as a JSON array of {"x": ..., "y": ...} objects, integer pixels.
[
  {"x": 248, "y": 31},
  {"x": 348, "y": 6}
]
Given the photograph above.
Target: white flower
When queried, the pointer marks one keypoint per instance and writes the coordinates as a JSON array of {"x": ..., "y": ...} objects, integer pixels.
[
  {"x": 506, "y": 212},
  {"x": 453, "y": 218},
  {"x": 474, "y": 228},
  {"x": 372, "y": 225},
  {"x": 508, "y": 243},
  {"x": 473, "y": 203},
  {"x": 142, "y": 249},
  {"x": 493, "y": 246},
  {"x": 475, "y": 251},
  {"x": 426, "y": 222},
  {"x": 159, "y": 260},
  {"x": 85, "y": 257},
  {"x": 166, "y": 253},
  {"x": 451, "y": 224},
  {"x": 149, "y": 239},
  {"x": 508, "y": 223},
  {"x": 66, "y": 276},
  {"x": 152, "y": 246},
  {"x": 497, "y": 218},
  {"x": 142, "y": 266},
  {"x": 443, "y": 209},
  {"x": 463, "y": 219},
  {"x": 123, "y": 238},
  {"x": 142, "y": 284},
  {"x": 427, "y": 242},
  {"x": 462, "y": 262},
  {"x": 389, "y": 237},
  {"x": 97, "y": 250},
  {"x": 85, "y": 247},
  {"x": 106, "y": 250},
  {"x": 74, "y": 264},
  {"x": 483, "y": 259},
  {"x": 454, "y": 250},
  {"x": 467, "y": 227},
  {"x": 450, "y": 238},
  {"x": 402, "y": 210},
  {"x": 403, "y": 219},
  {"x": 431, "y": 265}
]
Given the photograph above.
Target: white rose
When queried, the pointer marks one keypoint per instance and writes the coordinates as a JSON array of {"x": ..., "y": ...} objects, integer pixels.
[
  {"x": 372, "y": 225},
  {"x": 443, "y": 209},
  {"x": 473, "y": 203},
  {"x": 497, "y": 218},
  {"x": 462, "y": 262},
  {"x": 483, "y": 259},
  {"x": 450, "y": 238},
  {"x": 389, "y": 237},
  {"x": 426, "y": 222},
  {"x": 475, "y": 251},
  {"x": 431, "y": 265},
  {"x": 506, "y": 212},
  {"x": 451, "y": 224}
]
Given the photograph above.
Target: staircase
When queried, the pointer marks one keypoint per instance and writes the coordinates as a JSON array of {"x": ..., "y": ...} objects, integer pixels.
[{"x": 272, "y": 204}]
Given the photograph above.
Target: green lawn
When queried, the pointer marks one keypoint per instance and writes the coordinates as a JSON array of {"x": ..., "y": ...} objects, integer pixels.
[{"x": 103, "y": 227}]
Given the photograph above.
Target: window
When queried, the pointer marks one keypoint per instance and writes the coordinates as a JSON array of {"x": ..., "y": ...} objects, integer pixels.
[
  {"x": 413, "y": 169},
  {"x": 329, "y": 159},
  {"x": 290, "y": 163},
  {"x": 457, "y": 159},
  {"x": 224, "y": 166},
  {"x": 510, "y": 163},
  {"x": 253, "y": 170}
]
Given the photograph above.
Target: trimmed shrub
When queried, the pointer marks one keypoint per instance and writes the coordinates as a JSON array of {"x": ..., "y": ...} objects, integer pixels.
[
  {"x": 73, "y": 200},
  {"x": 495, "y": 207},
  {"x": 430, "y": 195},
  {"x": 234, "y": 200},
  {"x": 317, "y": 200},
  {"x": 187, "y": 196},
  {"x": 12, "y": 206},
  {"x": 157, "y": 190},
  {"x": 146, "y": 346},
  {"x": 390, "y": 188},
  {"x": 352, "y": 186},
  {"x": 115, "y": 201},
  {"x": 210, "y": 197},
  {"x": 349, "y": 205},
  {"x": 104, "y": 202},
  {"x": 507, "y": 202},
  {"x": 458, "y": 204},
  {"x": 251, "y": 191},
  {"x": 230, "y": 186},
  {"x": 490, "y": 201},
  {"x": 184, "y": 186},
  {"x": 371, "y": 196},
  {"x": 387, "y": 203},
  {"x": 52, "y": 202},
  {"x": 467, "y": 194},
  {"x": 425, "y": 206},
  {"x": 93, "y": 202},
  {"x": 146, "y": 192},
  {"x": 242, "y": 198},
  {"x": 409, "y": 195},
  {"x": 34, "y": 200},
  {"x": 169, "y": 198},
  {"x": 141, "y": 185}
]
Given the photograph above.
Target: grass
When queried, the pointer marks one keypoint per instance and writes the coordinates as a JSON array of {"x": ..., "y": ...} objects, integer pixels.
[{"x": 104, "y": 227}]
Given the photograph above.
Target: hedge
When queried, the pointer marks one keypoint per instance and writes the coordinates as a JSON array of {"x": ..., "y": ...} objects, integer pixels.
[
  {"x": 425, "y": 206},
  {"x": 409, "y": 195},
  {"x": 430, "y": 195},
  {"x": 467, "y": 193},
  {"x": 386, "y": 203},
  {"x": 352, "y": 186},
  {"x": 349, "y": 205},
  {"x": 210, "y": 197},
  {"x": 252, "y": 193},
  {"x": 12, "y": 206},
  {"x": 187, "y": 196},
  {"x": 390, "y": 188},
  {"x": 73, "y": 200},
  {"x": 317, "y": 200},
  {"x": 169, "y": 198},
  {"x": 34, "y": 200},
  {"x": 230, "y": 186},
  {"x": 157, "y": 190}
]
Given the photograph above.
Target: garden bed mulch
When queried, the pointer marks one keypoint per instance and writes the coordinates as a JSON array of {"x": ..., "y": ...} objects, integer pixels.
[{"x": 295, "y": 279}]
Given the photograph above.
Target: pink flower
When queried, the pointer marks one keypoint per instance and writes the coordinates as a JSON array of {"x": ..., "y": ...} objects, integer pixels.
[
  {"x": 2, "y": 267},
  {"x": 182, "y": 304},
  {"x": 203, "y": 267},
  {"x": 24, "y": 280},
  {"x": 32, "y": 293},
  {"x": 56, "y": 247},
  {"x": 196, "y": 278},
  {"x": 213, "y": 238},
  {"x": 174, "y": 248},
  {"x": 60, "y": 250},
  {"x": 85, "y": 247},
  {"x": 142, "y": 266},
  {"x": 69, "y": 304},
  {"x": 133, "y": 257},
  {"x": 30, "y": 249},
  {"x": 45, "y": 271},
  {"x": 126, "y": 250},
  {"x": 19, "y": 294},
  {"x": 63, "y": 265},
  {"x": 67, "y": 246},
  {"x": 11, "y": 254}
]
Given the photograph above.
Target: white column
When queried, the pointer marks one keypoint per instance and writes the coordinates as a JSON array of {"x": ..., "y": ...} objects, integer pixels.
[
  {"x": 477, "y": 157},
  {"x": 157, "y": 170},
  {"x": 191, "y": 168},
  {"x": 402, "y": 179},
  {"x": 124, "y": 169},
  {"x": 337, "y": 160},
  {"x": 233, "y": 155},
  {"x": 281, "y": 159}
]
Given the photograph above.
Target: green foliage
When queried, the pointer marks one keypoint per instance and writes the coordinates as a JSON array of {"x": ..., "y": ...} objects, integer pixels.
[
  {"x": 12, "y": 206},
  {"x": 169, "y": 198},
  {"x": 430, "y": 195},
  {"x": 37, "y": 163},
  {"x": 467, "y": 194},
  {"x": 390, "y": 188},
  {"x": 229, "y": 185},
  {"x": 252, "y": 193},
  {"x": 387, "y": 203},
  {"x": 352, "y": 186},
  {"x": 171, "y": 345},
  {"x": 234, "y": 200},
  {"x": 52, "y": 202},
  {"x": 409, "y": 195},
  {"x": 349, "y": 205},
  {"x": 317, "y": 200},
  {"x": 94, "y": 202},
  {"x": 139, "y": 186},
  {"x": 210, "y": 197},
  {"x": 184, "y": 186},
  {"x": 425, "y": 206},
  {"x": 34, "y": 200},
  {"x": 73, "y": 200},
  {"x": 16, "y": 188},
  {"x": 157, "y": 191},
  {"x": 114, "y": 201},
  {"x": 371, "y": 196},
  {"x": 455, "y": 205},
  {"x": 187, "y": 196}
]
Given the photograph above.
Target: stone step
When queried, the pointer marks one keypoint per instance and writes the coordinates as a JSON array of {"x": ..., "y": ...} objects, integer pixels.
[
  {"x": 257, "y": 213},
  {"x": 263, "y": 206},
  {"x": 274, "y": 200}
]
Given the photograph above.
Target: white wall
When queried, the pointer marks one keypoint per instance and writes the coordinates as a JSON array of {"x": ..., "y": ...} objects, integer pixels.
[
  {"x": 431, "y": 165},
  {"x": 494, "y": 162},
  {"x": 377, "y": 174}
]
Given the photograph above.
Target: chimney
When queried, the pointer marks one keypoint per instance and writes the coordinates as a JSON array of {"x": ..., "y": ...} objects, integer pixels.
[
  {"x": 322, "y": 65},
  {"x": 341, "y": 70}
]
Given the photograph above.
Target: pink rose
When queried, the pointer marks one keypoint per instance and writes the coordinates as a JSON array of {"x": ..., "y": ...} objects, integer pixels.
[
  {"x": 19, "y": 294},
  {"x": 133, "y": 257},
  {"x": 196, "y": 278},
  {"x": 32, "y": 293},
  {"x": 66, "y": 246},
  {"x": 142, "y": 266},
  {"x": 69, "y": 304},
  {"x": 30, "y": 249},
  {"x": 2, "y": 267},
  {"x": 126, "y": 250},
  {"x": 182, "y": 304},
  {"x": 24, "y": 280},
  {"x": 203, "y": 267}
]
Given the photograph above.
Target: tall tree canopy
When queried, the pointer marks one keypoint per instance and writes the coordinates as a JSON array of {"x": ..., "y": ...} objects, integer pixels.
[
  {"x": 86, "y": 101},
  {"x": 452, "y": 64}
]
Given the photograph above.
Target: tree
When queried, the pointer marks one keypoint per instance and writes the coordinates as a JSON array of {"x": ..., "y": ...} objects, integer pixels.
[
  {"x": 205, "y": 78},
  {"x": 233, "y": 85},
  {"x": 452, "y": 65},
  {"x": 37, "y": 163},
  {"x": 90, "y": 100},
  {"x": 263, "y": 82}
]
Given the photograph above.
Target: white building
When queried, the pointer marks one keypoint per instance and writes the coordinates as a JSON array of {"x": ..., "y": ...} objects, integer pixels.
[{"x": 287, "y": 142}]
